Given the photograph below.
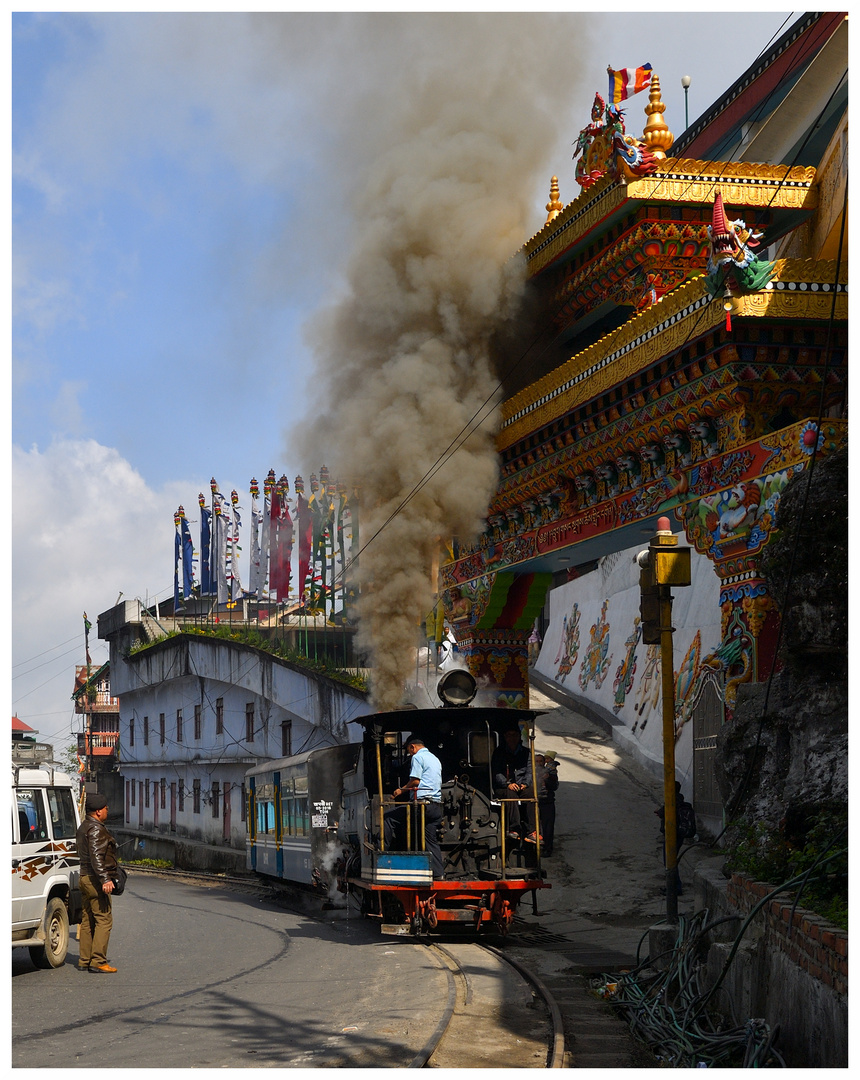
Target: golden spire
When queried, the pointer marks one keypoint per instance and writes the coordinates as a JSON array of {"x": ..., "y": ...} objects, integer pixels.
[
  {"x": 656, "y": 136},
  {"x": 554, "y": 205}
]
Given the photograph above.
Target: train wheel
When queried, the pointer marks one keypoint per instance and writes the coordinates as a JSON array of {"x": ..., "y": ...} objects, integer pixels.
[{"x": 503, "y": 917}]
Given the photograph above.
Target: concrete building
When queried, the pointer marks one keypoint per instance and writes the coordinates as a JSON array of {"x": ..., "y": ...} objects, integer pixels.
[{"x": 195, "y": 713}]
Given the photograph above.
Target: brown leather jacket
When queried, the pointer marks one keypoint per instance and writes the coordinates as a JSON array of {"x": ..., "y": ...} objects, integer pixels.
[{"x": 96, "y": 850}]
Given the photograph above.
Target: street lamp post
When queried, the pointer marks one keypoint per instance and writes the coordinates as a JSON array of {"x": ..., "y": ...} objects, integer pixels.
[
  {"x": 685, "y": 82},
  {"x": 664, "y": 564}
]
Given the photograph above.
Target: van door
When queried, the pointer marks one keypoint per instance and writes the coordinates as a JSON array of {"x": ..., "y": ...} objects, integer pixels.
[{"x": 29, "y": 864}]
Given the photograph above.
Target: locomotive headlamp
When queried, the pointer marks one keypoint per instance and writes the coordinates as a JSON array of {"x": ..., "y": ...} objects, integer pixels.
[{"x": 457, "y": 688}]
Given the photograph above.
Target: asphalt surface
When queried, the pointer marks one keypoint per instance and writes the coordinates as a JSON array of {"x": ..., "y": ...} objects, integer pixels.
[
  {"x": 607, "y": 865},
  {"x": 607, "y": 880},
  {"x": 213, "y": 978}
]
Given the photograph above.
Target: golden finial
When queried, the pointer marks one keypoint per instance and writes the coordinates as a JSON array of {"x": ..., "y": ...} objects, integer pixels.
[
  {"x": 554, "y": 205},
  {"x": 656, "y": 136}
]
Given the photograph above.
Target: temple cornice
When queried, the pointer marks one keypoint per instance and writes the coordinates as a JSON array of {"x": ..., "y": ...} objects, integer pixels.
[
  {"x": 802, "y": 289},
  {"x": 685, "y": 182}
]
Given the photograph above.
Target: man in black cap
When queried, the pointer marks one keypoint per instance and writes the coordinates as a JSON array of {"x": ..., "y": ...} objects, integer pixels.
[{"x": 97, "y": 852}]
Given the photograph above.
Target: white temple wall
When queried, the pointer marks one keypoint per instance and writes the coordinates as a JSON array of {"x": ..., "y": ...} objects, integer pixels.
[{"x": 593, "y": 649}]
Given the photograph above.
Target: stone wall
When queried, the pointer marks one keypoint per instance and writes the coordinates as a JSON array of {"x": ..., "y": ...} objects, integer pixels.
[{"x": 790, "y": 969}]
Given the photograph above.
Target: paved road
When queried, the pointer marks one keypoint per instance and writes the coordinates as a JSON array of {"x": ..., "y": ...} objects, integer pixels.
[{"x": 213, "y": 978}]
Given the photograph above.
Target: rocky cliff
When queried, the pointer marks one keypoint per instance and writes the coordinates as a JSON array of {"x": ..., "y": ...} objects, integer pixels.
[{"x": 784, "y": 757}]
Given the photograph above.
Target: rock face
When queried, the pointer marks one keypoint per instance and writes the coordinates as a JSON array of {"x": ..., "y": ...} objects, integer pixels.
[{"x": 785, "y": 754}]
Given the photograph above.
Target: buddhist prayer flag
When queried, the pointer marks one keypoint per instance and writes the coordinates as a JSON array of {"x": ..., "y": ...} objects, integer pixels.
[
  {"x": 256, "y": 575},
  {"x": 627, "y": 82},
  {"x": 205, "y": 520},
  {"x": 305, "y": 527},
  {"x": 187, "y": 558}
]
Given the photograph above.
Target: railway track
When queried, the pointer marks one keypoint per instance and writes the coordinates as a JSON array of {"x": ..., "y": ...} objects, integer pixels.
[
  {"x": 475, "y": 1031},
  {"x": 480, "y": 1025}
]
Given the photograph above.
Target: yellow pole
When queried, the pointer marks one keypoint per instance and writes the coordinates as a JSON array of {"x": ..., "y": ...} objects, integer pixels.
[
  {"x": 668, "y": 694},
  {"x": 536, "y": 806},
  {"x": 381, "y": 811}
]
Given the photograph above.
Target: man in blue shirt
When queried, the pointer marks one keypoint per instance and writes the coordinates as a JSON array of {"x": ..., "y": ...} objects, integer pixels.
[{"x": 425, "y": 783}]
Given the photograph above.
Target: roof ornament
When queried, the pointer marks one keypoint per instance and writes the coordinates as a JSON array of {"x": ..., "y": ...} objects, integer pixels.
[
  {"x": 733, "y": 268},
  {"x": 554, "y": 206},
  {"x": 604, "y": 147},
  {"x": 657, "y": 136}
]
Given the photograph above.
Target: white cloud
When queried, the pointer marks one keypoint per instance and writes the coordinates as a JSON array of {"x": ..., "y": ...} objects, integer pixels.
[{"x": 85, "y": 526}]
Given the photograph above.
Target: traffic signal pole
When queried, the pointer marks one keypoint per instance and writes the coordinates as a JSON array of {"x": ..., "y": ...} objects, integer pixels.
[{"x": 664, "y": 564}]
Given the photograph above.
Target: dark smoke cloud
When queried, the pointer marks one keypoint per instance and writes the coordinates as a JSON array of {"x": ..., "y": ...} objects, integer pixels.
[{"x": 455, "y": 117}]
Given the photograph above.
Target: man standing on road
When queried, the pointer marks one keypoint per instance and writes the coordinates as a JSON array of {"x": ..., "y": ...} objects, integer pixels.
[
  {"x": 97, "y": 852},
  {"x": 425, "y": 782}
]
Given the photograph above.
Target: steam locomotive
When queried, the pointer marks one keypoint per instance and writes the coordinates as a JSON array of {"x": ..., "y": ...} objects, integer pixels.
[{"x": 317, "y": 819}]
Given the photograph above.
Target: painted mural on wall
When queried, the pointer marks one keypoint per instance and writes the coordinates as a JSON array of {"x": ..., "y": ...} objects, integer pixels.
[
  {"x": 615, "y": 670},
  {"x": 568, "y": 650}
]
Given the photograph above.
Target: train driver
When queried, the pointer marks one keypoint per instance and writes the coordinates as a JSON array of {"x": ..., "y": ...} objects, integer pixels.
[{"x": 425, "y": 782}]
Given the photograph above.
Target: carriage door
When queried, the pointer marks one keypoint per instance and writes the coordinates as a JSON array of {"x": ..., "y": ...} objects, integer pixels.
[
  {"x": 708, "y": 717},
  {"x": 251, "y": 817},
  {"x": 279, "y": 827}
]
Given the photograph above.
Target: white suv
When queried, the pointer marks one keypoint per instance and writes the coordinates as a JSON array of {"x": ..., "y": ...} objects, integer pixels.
[{"x": 46, "y": 894}]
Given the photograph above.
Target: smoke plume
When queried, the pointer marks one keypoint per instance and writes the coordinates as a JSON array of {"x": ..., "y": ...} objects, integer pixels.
[{"x": 461, "y": 133}]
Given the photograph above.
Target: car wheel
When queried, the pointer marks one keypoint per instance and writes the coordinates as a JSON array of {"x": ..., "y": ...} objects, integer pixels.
[{"x": 53, "y": 953}]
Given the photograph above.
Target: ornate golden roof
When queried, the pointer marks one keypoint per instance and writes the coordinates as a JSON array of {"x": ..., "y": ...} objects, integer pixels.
[
  {"x": 682, "y": 181},
  {"x": 802, "y": 289}
]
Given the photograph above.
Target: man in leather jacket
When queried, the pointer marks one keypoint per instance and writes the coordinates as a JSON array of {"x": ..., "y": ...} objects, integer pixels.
[{"x": 97, "y": 852}]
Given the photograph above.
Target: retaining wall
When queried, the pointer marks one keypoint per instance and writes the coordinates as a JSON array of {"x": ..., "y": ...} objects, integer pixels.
[{"x": 791, "y": 969}]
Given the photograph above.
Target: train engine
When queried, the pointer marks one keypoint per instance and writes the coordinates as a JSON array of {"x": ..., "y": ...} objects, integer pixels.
[{"x": 490, "y": 862}]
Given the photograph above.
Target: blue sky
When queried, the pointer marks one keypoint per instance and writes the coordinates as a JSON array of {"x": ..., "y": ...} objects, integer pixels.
[{"x": 182, "y": 192}]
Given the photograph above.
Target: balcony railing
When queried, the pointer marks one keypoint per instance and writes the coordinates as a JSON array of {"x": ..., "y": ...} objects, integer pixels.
[{"x": 98, "y": 742}]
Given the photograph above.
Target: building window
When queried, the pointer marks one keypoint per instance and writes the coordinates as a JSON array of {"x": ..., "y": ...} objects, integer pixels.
[
  {"x": 196, "y": 795},
  {"x": 198, "y": 722},
  {"x": 244, "y": 804},
  {"x": 249, "y": 722},
  {"x": 219, "y": 716},
  {"x": 163, "y": 793},
  {"x": 146, "y": 731},
  {"x": 179, "y": 725},
  {"x": 216, "y": 799},
  {"x": 146, "y": 794},
  {"x": 131, "y": 732},
  {"x": 286, "y": 738},
  {"x": 161, "y": 731},
  {"x": 133, "y": 800},
  {"x": 180, "y": 798}
]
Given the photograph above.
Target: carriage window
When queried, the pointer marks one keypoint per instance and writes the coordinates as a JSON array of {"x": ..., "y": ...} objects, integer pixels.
[
  {"x": 265, "y": 817},
  {"x": 301, "y": 821},
  {"x": 481, "y": 747},
  {"x": 62, "y": 809},
  {"x": 266, "y": 809},
  {"x": 31, "y": 816}
]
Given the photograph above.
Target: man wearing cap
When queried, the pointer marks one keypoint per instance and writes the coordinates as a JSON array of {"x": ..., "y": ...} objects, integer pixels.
[
  {"x": 425, "y": 783},
  {"x": 97, "y": 852},
  {"x": 546, "y": 772}
]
